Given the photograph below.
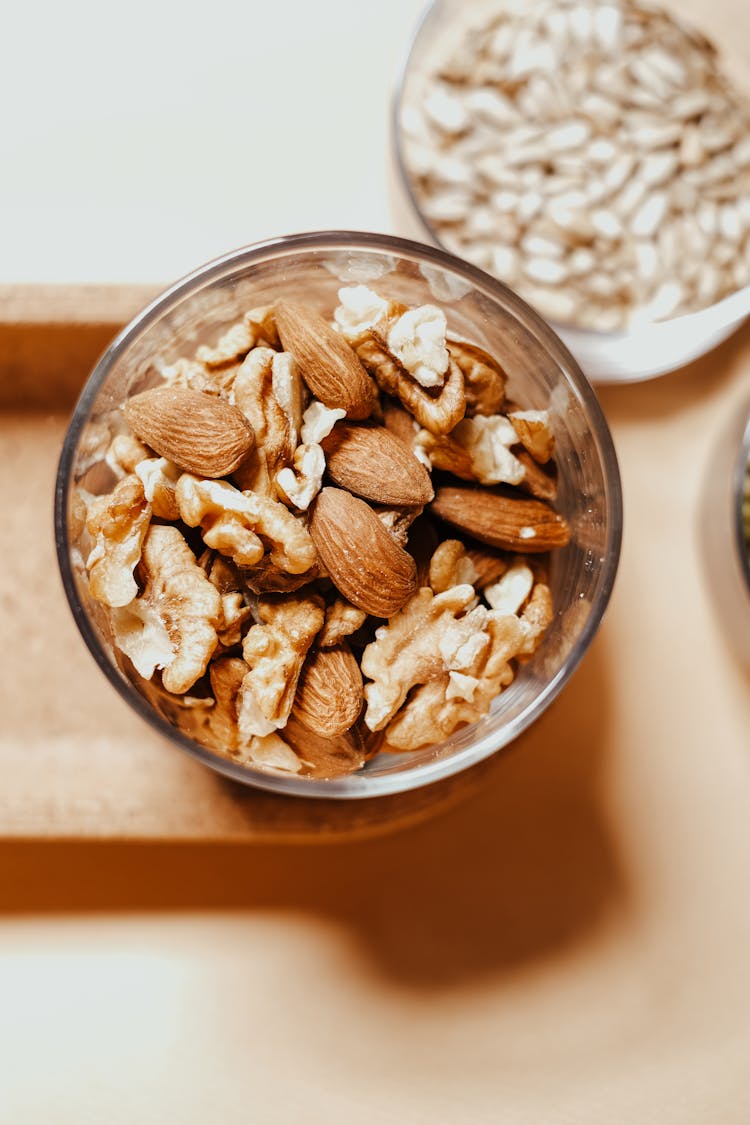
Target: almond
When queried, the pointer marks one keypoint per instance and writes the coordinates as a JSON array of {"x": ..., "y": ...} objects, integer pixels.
[
  {"x": 363, "y": 561},
  {"x": 329, "y": 693},
  {"x": 502, "y": 521},
  {"x": 540, "y": 481},
  {"x": 372, "y": 463},
  {"x": 326, "y": 757},
  {"x": 198, "y": 432},
  {"x": 326, "y": 362},
  {"x": 398, "y": 421}
]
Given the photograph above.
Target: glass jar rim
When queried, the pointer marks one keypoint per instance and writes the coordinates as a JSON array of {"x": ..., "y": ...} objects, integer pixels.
[{"x": 359, "y": 785}]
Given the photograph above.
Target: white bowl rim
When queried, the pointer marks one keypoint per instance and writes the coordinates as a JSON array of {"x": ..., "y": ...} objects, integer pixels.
[{"x": 729, "y": 310}]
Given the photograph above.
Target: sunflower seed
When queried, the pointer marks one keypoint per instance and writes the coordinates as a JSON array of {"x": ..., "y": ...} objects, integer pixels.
[
  {"x": 648, "y": 216},
  {"x": 589, "y": 152},
  {"x": 546, "y": 270}
]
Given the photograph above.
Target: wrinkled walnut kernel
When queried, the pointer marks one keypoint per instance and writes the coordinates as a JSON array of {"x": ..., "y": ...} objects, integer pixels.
[
  {"x": 189, "y": 607},
  {"x": 259, "y": 588},
  {"x": 275, "y": 650},
  {"x": 118, "y": 524}
]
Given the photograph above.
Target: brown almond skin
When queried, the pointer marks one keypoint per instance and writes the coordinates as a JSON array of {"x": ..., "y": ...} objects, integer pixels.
[
  {"x": 540, "y": 481},
  {"x": 398, "y": 421},
  {"x": 499, "y": 520},
  {"x": 326, "y": 757},
  {"x": 328, "y": 365},
  {"x": 198, "y": 432},
  {"x": 330, "y": 691},
  {"x": 362, "y": 559},
  {"x": 370, "y": 462}
]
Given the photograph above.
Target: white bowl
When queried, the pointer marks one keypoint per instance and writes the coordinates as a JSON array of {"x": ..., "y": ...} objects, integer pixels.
[
  {"x": 655, "y": 349},
  {"x": 606, "y": 357}
]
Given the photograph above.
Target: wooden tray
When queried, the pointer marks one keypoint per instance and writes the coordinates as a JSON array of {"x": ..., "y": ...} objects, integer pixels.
[{"x": 76, "y": 762}]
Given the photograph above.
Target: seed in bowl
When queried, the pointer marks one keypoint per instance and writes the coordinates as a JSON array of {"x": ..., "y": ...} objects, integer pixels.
[
  {"x": 328, "y": 537},
  {"x": 592, "y": 155}
]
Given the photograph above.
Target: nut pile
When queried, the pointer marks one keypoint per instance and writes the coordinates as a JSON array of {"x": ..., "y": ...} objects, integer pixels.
[
  {"x": 589, "y": 153},
  {"x": 326, "y": 538}
]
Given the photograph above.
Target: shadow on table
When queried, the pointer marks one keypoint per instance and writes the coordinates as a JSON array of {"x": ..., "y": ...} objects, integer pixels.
[{"x": 516, "y": 872}]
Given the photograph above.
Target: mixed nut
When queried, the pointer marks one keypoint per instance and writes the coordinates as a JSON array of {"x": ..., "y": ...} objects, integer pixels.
[
  {"x": 589, "y": 153},
  {"x": 327, "y": 538}
]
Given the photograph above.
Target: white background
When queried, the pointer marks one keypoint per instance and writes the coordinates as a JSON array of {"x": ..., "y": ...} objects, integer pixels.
[{"x": 138, "y": 141}]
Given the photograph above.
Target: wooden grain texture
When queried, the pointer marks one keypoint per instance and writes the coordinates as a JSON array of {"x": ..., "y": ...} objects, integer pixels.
[
  {"x": 52, "y": 335},
  {"x": 76, "y": 762}
]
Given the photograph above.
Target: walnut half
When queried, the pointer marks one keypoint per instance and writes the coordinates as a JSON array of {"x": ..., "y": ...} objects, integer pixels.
[
  {"x": 275, "y": 650},
  {"x": 118, "y": 524},
  {"x": 174, "y": 624}
]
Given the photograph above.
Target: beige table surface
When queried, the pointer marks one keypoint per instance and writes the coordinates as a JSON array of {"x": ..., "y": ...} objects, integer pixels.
[{"x": 569, "y": 946}]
